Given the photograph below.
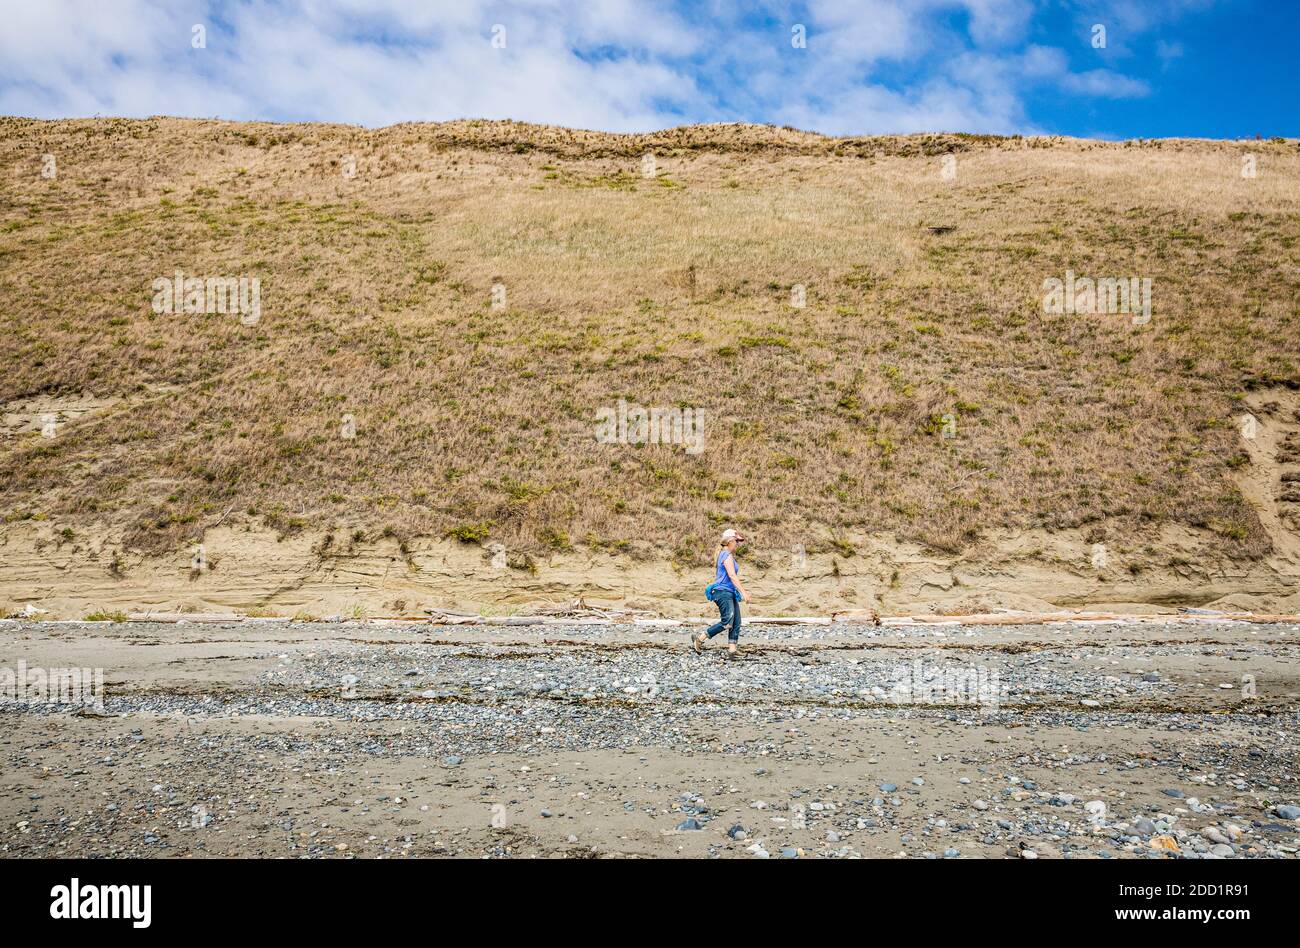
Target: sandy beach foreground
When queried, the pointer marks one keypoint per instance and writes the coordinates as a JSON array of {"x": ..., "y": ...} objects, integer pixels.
[{"x": 1158, "y": 740}]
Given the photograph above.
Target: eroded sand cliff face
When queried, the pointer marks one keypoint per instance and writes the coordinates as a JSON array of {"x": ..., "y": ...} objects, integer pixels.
[{"x": 245, "y": 568}]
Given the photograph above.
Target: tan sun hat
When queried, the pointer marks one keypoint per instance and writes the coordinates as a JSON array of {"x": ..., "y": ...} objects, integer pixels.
[{"x": 730, "y": 534}]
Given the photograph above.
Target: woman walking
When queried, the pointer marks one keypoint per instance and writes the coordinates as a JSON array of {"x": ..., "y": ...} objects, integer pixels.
[{"x": 725, "y": 590}]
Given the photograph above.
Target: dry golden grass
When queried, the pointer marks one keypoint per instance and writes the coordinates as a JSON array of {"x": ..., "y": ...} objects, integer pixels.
[{"x": 821, "y": 422}]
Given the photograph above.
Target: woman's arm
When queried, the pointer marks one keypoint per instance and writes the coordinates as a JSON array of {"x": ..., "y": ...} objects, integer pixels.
[{"x": 730, "y": 565}]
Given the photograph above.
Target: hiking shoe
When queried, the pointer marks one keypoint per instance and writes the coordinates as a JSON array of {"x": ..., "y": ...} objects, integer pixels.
[{"x": 696, "y": 645}]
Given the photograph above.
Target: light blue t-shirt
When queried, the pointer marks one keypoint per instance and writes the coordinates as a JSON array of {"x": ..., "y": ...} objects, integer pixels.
[{"x": 723, "y": 581}]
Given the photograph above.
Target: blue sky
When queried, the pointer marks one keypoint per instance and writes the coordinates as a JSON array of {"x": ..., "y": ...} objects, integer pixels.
[{"x": 1200, "y": 68}]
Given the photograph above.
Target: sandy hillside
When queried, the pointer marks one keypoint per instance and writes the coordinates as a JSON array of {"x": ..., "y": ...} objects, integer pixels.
[{"x": 406, "y": 409}]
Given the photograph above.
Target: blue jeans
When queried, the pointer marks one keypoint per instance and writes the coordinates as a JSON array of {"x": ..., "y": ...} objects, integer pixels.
[{"x": 729, "y": 607}]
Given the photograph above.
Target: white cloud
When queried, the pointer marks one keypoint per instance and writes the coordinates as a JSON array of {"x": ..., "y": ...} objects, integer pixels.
[
  {"x": 1049, "y": 64},
  {"x": 1102, "y": 83},
  {"x": 998, "y": 21},
  {"x": 1168, "y": 51}
]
